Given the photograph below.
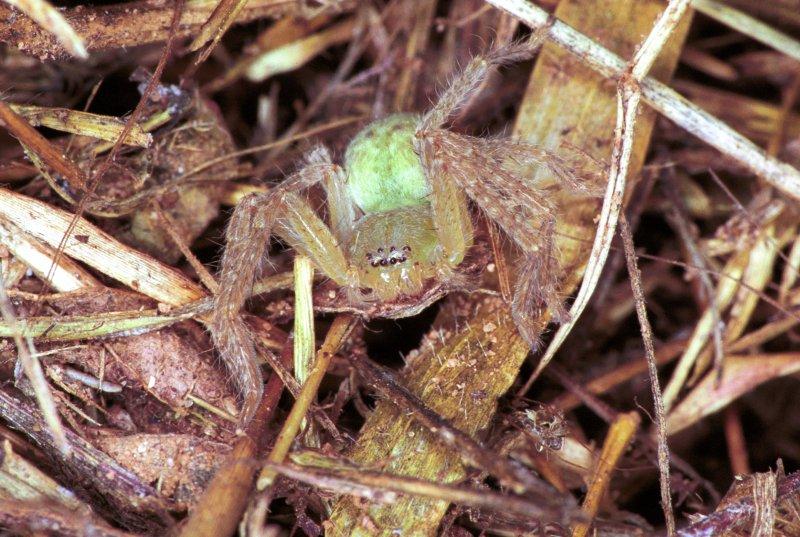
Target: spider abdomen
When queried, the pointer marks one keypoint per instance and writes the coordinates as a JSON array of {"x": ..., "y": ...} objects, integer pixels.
[{"x": 383, "y": 171}]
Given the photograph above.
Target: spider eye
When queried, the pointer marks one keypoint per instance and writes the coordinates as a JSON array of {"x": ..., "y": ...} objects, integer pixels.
[{"x": 383, "y": 262}]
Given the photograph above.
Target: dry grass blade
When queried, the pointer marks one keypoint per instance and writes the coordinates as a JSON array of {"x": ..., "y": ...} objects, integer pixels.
[
  {"x": 338, "y": 332},
  {"x": 296, "y": 54},
  {"x": 748, "y": 25},
  {"x": 99, "y": 250},
  {"x": 51, "y": 20},
  {"x": 746, "y": 271},
  {"x": 218, "y": 23},
  {"x": 740, "y": 376},
  {"x": 620, "y": 434},
  {"x": 76, "y": 122},
  {"x": 665, "y": 100},
  {"x": 65, "y": 328},
  {"x": 304, "y": 339},
  {"x": 67, "y": 275}
]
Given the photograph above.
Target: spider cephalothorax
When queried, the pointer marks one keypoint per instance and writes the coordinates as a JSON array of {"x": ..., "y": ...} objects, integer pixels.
[{"x": 399, "y": 222}]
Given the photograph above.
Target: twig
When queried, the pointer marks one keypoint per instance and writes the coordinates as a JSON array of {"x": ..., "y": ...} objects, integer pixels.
[
  {"x": 219, "y": 509},
  {"x": 381, "y": 487},
  {"x": 469, "y": 449},
  {"x": 652, "y": 368},
  {"x": 39, "y": 145}
]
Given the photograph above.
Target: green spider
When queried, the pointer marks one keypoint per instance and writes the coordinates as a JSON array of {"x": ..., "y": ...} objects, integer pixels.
[{"x": 399, "y": 222}]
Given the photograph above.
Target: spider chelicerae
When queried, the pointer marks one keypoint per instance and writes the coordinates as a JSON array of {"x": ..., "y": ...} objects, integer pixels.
[{"x": 398, "y": 218}]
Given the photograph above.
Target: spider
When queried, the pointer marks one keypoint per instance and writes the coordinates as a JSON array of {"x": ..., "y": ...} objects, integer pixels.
[{"x": 399, "y": 220}]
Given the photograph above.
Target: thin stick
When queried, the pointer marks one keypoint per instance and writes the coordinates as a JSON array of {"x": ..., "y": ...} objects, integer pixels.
[
  {"x": 652, "y": 369},
  {"x": 385, "y": 487},
  {"x": 169, "y": 225},
  {"x": 222, "y": 504},
  {"x": 18, "y": 127},
  {"x": 736, "y": 442},
  {"x": 337, "y": 333},
  {"x": 472, "y": 451}
]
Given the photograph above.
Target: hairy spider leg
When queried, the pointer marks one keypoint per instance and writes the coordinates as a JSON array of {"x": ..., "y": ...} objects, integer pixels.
[
  {"x": 254, "y": 220},
  {"x": 341, "y": 207},
  {"x": 492, "y": 174},
  {"x": 537, "y": 286},
  {"x": 469, "y": 81},
  {"x": 300, "y": 226},
  {"x": 449, "y": 209}
]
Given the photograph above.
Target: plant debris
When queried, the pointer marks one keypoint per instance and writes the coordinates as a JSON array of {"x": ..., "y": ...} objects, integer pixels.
[{"x": 656, "y": 362}]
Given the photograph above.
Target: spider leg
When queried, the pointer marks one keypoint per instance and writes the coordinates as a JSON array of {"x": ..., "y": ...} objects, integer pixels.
[
  {"x": 247, "y": 238},
  {"x": 451, "y": 216},
  {"x": 465, "y": 84},
  {"x": 253, "y": 221},
  {"x": 536, "y": 287},
  {"x": 341, "y": 209},
  {"x": 308, "y": 234},
  {"x": 488, "y": 171},
  {"x": 478, "y": 168}
]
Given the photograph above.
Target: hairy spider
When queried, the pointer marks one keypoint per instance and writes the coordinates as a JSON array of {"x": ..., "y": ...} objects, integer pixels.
[{"x": 399, "y": 219}]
